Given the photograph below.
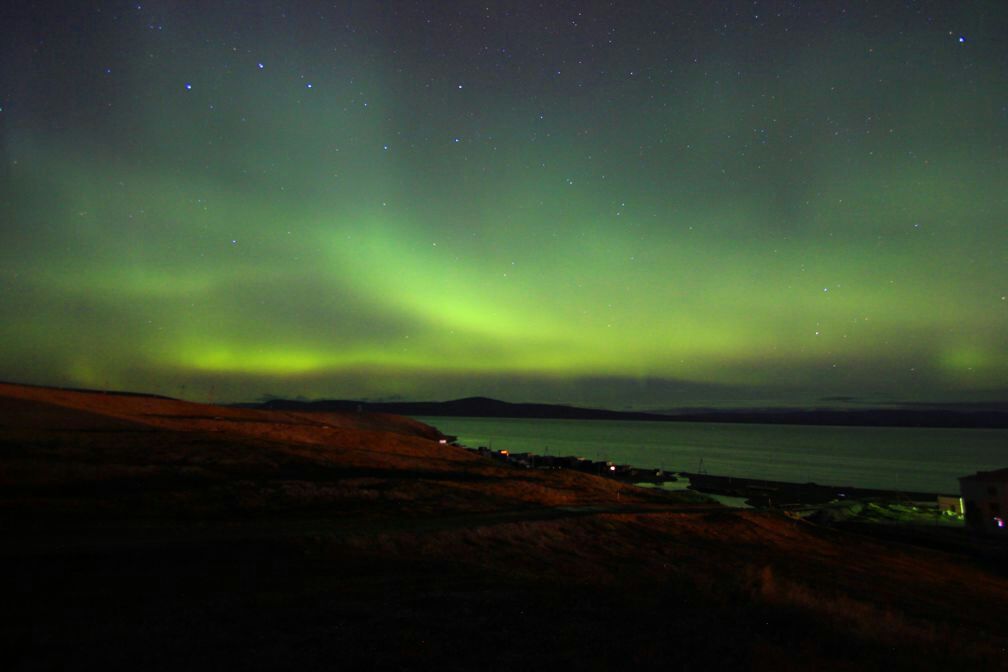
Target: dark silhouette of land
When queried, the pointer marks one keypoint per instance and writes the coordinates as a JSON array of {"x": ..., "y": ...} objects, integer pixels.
[
  {"x": 962, "y": 417},
  {"x": 151, "y": 533}
]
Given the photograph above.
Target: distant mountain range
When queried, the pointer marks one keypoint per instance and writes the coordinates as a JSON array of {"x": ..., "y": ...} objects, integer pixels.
[{"x": 494, "y": 408}]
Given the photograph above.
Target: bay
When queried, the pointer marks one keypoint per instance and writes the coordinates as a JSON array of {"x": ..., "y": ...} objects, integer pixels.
[{"x": 892, "y": 458}]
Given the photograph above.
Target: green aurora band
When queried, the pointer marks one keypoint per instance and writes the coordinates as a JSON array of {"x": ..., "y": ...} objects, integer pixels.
[{"x": 720, "y": 223}]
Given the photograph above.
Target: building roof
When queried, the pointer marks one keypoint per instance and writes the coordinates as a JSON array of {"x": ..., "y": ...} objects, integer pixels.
[{"x": 997, "y": 476}]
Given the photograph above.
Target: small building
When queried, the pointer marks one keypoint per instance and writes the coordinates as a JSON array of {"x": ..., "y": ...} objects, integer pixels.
[
  {"x": 985, "y": 495},
  {"x": 950, "y": 504}
]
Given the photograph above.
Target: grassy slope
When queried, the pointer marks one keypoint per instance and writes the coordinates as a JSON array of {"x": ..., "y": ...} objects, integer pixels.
[{"x": 146, "y": 531}]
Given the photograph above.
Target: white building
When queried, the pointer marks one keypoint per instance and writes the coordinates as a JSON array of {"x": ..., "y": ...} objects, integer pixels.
[{"x": 985, "y": 494}]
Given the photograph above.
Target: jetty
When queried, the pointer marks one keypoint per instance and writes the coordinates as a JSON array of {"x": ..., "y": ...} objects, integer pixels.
[{"x": 765, "y": 493}]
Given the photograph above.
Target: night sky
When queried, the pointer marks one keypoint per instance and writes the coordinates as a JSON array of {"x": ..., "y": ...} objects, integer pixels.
[{"x": 640, "y": 205}]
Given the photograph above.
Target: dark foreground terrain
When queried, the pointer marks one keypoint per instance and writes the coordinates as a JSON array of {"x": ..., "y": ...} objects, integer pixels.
[{"x": 149, "y": 533}]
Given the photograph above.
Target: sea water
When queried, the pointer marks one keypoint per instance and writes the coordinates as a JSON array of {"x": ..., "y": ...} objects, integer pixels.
[{"x": 892, "y": 458}]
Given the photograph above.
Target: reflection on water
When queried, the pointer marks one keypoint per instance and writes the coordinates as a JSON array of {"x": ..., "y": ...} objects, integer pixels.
[{"x": 921, "y": 459}]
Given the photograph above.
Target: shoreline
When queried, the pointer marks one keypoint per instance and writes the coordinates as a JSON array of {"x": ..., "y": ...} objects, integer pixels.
[{"x": 759, "y": 492}]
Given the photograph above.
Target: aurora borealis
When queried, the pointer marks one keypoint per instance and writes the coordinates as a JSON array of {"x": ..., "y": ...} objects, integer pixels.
[{"x": 639, "y": 205}]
